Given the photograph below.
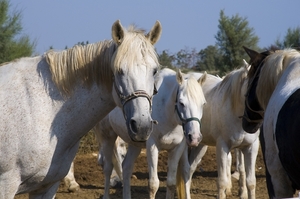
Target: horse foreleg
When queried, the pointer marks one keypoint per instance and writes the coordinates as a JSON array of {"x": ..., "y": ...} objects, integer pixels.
[
  {"x": 127, "y": 165},
  {"x": 70, "y": 181},
  {"x": 236, "y": 173},
  {"x": 250, "y": 154},
  {"x": 222, "y": 164},
  {"x": 9, "y": 183},
  {"x": 48, "y": 193},
  {"x": 173, "y": 161},
  {"x": 195, "y": 156},
  {"x": 152, "y": 159},
  {"x": 107, "y": 151},
  {"x": 228, "y": 174},
  {"x": 240, "y": 168}
]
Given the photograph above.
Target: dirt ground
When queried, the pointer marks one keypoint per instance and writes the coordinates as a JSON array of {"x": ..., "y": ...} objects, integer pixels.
[{"x": 89, "y": 175}]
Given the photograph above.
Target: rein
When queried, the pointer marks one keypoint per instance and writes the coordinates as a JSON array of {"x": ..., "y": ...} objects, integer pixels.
[{"x": 184, "y": 121}]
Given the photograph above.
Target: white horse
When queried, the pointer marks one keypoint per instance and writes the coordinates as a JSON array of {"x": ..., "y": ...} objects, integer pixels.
[
  {"x": 120, "y": 150},
  {"x": 178, "y": 108},
  {"x": 222, "y": 127},
  {"x": 49, "y": 102},
  {"x": 274, "y": 97}
]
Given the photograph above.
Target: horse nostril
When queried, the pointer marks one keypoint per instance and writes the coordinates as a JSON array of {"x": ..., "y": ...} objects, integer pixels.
[
  {"x": 133, "y": 125},
  {"x": 190, "y": 137}
]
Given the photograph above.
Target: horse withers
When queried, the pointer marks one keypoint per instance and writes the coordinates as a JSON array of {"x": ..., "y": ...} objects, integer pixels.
[{"x": 49, "y": 102}]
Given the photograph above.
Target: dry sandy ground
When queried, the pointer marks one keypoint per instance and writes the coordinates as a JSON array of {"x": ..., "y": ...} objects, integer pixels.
[{"x": 89, "y": 176}]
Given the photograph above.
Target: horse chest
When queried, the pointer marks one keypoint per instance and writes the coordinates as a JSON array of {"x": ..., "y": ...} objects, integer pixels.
[{"x": 170, "y": 139}]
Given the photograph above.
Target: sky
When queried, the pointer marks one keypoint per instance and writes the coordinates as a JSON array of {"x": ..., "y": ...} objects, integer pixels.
[{"x": 186, "y": 24}]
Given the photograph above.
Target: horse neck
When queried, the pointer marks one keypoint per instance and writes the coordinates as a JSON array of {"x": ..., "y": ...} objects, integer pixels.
[
  {"x": 270, "y": 74},
  {"x": 82, "y": 111},
  {"x": 166, "y": 98}
]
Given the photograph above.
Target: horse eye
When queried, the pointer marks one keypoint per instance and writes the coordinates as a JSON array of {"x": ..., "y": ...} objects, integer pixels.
[{"x": 181, "y": 104}]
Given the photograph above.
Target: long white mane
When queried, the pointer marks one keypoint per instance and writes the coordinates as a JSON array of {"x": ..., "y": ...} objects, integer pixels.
[
  {"x": 234, "y": 86},
  {"x": 99, "y": 61},
  {"x": 274, "y": 66},
  {"x": 85, "y": 64},
  {"x": 193, "y": 90}
]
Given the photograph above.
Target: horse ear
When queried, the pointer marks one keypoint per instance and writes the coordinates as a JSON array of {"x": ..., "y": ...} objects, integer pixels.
[
  {"x": 202, "y": 79},
  {"x": 155, "y": 33},
  {"x": 179, "y": 76},
  {"x": 117, "y": 32},
  {"x": 252, "y": 53},
  {"x": 246, "y": 65}
]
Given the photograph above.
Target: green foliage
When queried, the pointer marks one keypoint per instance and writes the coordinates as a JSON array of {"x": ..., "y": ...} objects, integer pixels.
[
  {"x": 165, "y": 59},
  {"x": 12, "y": 44},
  {"x": 210, "y": 59},
  {"x": 291, "y": 39},
  {"x": 234, "y": 33}
]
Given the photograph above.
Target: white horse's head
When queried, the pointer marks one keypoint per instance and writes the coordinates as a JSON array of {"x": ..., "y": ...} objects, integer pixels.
[
  {"x": 189, "y": 106},
  {"x": 134, "y": 66}
]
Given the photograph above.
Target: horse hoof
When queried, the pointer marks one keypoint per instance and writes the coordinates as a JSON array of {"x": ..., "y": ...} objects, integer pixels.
[{"x": 74, "y": 188}]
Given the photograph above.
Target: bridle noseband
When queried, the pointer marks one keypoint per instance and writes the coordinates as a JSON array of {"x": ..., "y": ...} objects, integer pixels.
[{"x": 138, "y": 93}]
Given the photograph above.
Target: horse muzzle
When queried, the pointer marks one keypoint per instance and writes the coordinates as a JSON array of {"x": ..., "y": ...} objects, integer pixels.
[
  {"x": 193, "y": 139},
  {"x": 140, "y": 131}
]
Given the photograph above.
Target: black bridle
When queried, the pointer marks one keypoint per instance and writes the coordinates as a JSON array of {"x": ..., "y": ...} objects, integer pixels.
[{"x": 260, "y": 112}]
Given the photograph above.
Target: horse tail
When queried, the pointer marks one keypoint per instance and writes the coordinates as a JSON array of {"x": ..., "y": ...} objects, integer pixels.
[{"x": 180, "y": 186}]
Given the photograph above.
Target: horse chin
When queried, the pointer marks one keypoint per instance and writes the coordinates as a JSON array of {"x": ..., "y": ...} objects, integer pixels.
[{"x": 250, "y": 127}]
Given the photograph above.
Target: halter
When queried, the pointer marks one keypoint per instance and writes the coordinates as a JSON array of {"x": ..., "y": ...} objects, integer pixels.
[
  {"x": 138, "y": 93},
  {"x": 184, "y": 121},
  {"x": 259, "y": 112}
]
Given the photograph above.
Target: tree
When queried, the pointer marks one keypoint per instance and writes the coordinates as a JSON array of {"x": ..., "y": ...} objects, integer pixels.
[
  {"x": 165, "y": 59},
  {"x": 12, "y": 44},
  {"x": 291, "y": 39},
  {"x": 210, "y": 59},
  {"x": 186, "y": 58},
  {"x": 234, "y": 33}
]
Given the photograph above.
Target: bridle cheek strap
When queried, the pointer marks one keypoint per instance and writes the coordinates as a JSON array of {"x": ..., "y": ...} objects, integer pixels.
[
  {"x": 139, "y": 93},
  {"x": 184, "y": 121}
]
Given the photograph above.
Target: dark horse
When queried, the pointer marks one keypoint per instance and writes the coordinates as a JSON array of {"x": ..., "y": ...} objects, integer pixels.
[{"x": 272, "y": 103}]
